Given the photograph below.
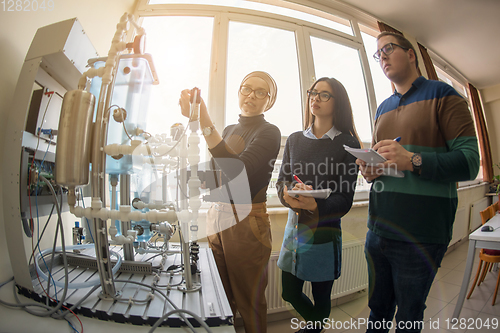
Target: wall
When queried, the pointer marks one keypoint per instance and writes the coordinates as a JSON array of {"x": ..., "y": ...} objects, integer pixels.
[{"x": 17, "y": 29}]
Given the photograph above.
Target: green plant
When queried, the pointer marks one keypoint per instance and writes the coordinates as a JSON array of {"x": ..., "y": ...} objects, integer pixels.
[{"x": 496, "y": 178}]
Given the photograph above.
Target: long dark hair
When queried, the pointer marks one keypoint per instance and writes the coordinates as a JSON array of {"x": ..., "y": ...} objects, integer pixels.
[{"x": 342, "y": 112}]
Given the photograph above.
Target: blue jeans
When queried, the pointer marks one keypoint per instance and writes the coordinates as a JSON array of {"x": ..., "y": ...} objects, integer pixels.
[{"x": 400, "y": 273}]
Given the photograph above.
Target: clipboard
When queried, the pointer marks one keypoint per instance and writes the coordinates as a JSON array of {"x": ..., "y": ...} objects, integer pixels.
[
  {"x": 371, "y": 157},
  {"x": 318, "y": 194}
]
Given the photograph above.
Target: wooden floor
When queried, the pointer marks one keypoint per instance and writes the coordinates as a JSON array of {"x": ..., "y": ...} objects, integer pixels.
[{"x": 134, "y": 303}]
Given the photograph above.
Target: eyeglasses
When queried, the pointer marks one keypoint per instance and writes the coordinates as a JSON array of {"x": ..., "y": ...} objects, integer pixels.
[
  {"x": 259, "y": 93},
  {"x": 324, "y": 96},
  {"x": 387, "y": 49}
]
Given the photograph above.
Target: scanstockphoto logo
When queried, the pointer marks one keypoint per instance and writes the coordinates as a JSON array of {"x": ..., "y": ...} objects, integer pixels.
[
  {"x": 325, "y": 168},
  {"x": 322, "y": 174}
]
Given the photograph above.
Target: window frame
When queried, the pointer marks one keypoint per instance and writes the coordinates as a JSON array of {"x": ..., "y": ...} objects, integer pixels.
[{"x": 303, "y": 30}]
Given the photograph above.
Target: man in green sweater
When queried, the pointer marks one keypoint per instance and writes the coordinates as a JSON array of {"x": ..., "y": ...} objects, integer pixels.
[{"x": 410, "y": 219}]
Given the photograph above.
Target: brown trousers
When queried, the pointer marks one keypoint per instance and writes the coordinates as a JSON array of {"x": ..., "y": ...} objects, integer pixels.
[{"x": 240, "y": 239}]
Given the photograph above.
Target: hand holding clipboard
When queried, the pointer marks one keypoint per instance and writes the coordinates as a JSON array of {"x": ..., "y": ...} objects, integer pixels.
[
  {"x": 319, "y": 194},
  {"x": 372, "y": 158}
]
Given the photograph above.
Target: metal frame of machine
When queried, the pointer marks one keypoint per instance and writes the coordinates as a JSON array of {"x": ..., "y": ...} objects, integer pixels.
[{"x": 82, "y": 149}]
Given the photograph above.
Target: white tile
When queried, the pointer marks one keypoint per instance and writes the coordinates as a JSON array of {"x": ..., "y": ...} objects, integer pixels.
[
  {"x": 454, "y": 277},
  {"x": 339, "y": 315},
  {"x": 442, "y": 272},
  {"x": 492, "y": 309},
  {"x": 460, "y": 255},
  {"x": 277, "y": 327},
  {"x": 444, "y": 291},
  {"x": 451, "y": 262},
  {"x": 434, "y": 306},
  {"x": 479, "y": 298},
  {"x": 357, "y": 308},
  {"x": 445, "y": 318}
]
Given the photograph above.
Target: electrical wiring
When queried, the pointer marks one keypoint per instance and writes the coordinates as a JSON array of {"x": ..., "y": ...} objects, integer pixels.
[
  {"x": 77, "y": 304},
  {"x": 39, "y": 239},
  {"x": 51, "y": 260},
  {"x": 61, "y": 316},
  {"x": 38, "y": 220},
  {"x": 4, "y": 283},
  {"x": 43, "y": 232},
  {"x": 170, "y": 286},
  {"x": 132, "y": 300},
  {"x": 65, "y": 288},
  {"x": 85, "y": 284},
  {"x": 59, "y": 311},
  {"x": 65, "y": 262},
  {"x": 181, "y": 311},
  {"x": 18, "y": 304},
  {"x": 72, "y": 327}
]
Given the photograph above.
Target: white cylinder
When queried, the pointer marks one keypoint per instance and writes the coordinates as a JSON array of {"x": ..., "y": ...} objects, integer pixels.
[{"x": 74, "y": 138}]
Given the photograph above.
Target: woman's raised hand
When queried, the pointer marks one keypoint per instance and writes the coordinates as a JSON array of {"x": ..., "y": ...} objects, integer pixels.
[{"x": 185, "y": 104}]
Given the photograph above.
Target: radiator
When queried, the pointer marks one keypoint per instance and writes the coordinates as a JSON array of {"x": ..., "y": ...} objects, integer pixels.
[
  {"x": 354, "y": 277},
  {"x": 475, "y": 217}
]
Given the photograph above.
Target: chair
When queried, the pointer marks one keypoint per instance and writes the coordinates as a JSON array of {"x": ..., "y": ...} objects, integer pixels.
[
  {"x": 495, "y": 208},
  {"x": 489, "y": 257}
]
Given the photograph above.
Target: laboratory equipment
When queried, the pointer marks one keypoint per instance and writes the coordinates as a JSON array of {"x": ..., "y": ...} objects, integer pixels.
[{"x": 114, "y": 177}]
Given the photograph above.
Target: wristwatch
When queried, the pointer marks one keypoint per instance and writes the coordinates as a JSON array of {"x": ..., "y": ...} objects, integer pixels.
[
  {"x": 207, "y": 131},
  {"x": 416, "y": 161}
]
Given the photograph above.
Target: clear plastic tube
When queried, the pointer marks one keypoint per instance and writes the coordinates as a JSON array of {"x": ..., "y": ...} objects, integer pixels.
[{"x": 87, "y": 284}]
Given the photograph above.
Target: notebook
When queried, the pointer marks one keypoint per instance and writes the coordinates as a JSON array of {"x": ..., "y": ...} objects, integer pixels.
[
  {"x": 318, "y": 194},
  {"x": 371, "y": 157}
]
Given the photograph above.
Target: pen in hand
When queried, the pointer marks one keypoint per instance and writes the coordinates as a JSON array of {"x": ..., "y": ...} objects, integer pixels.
[
  {"x": 397, "y": 139},
  {"x": 297, "y": 179}
]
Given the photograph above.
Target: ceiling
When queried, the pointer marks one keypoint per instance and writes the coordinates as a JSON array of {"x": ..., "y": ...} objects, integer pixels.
[{"x": 465, "y": 33}]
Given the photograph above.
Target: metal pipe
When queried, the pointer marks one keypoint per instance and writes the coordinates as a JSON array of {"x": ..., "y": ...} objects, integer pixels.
[{"x": 128, "y": 249}]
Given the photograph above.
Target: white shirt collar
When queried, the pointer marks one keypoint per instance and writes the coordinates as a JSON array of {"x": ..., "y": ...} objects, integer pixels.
[{"x": 331, "y": 134}]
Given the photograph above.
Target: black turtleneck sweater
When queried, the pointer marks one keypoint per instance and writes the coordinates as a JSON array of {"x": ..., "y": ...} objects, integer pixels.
[{"x": 253, "y": 145}]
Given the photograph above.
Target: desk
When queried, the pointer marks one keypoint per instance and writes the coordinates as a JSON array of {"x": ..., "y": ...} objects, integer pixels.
[{"x": 483, "y": 240}]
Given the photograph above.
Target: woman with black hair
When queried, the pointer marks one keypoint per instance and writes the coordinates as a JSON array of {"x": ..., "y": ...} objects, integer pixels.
[{"x": 316, "y": 159}]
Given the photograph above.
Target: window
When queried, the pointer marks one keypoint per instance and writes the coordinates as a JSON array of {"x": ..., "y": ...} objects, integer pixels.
[
  {"x": 381, "y": 83},
  {"x": 254, "y": 47},
  {"x": 446, "y": 78},
  {"x": 180, "y": 47},
  {"x": 332, "y": 59},
  {"x": 301, "y": 12},
  {"x": 213, "y": 44}
]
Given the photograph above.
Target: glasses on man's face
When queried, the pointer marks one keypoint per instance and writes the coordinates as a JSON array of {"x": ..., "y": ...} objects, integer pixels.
[
  {"x": 387, "y": 49},
  {"x": 259, "y": 93},
  {"x": 324, "y": 96}
]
